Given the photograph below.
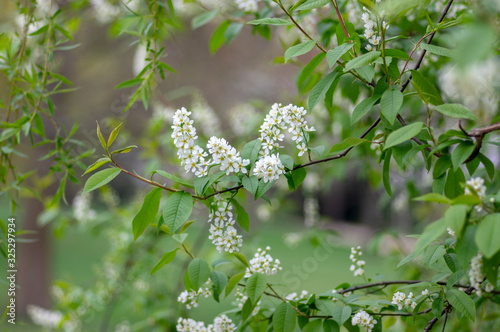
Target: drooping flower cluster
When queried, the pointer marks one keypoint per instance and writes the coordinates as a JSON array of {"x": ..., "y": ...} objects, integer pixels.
[
  {"x": 82, "y": 210},
  {"x": 247, "y": 5},
  {"x": 263, "y": 263},
  {"x": 476, "y": 276},
  {"x": 363, "y": 319},
  {"x": 478, "y": 187},
  {"x": 357, "y": 264},
  {"x": 269, "y": 168},
  {"x": 242, "y": 298},
  {"x": 371, "y": 33},
  {"x": 221, "y": 324},
  {"x": 296, "y": 297},
  {"x": 222, "y": 232},
  {"x": 193, "y": 156},
  {"x": 402, "y": 300},
  {"x": 190, "y": 298},
  {"x": 43, "y": 317}
]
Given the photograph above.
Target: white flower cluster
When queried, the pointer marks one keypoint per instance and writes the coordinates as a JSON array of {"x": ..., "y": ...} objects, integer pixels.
[
  {"x": 81, "y": 208},
  {"x": 295, "y": 297},
  {"x": 357, "y": 264},
  {"x": 247, "y": 5},
  {"x": 222, "y": 232},
  {"x": 451, "y": 232},
  {"x": 221, "y": 324},
  {"x": 263, "y": 263},
  {"x": 45, "y": 318},
  {"x": 193, "y": 156},
  {"x": 401, "y": 300},
  {"x": 269, "y": 168},
  {"x": 363, "y": 319},
  {"x": 191, "y": 298},
  {"x": 370, "y": 29},
  {"x": 477, "y": 184},
  {"x": 242, "y": 298},
  {"x": 475, "y": 275}
]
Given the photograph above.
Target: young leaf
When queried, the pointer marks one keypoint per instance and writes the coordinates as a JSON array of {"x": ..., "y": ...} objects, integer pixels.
[
  {"x": 299, "y": 49},
  {"x": 362, "y": 60},
  {"x": 124, "y": 150},
  {"x": 218, "y": 37},
  {"x": 203, "y": 19},
  {"x": 114, "y": 134},
  {"x": 255, "y": 286},
  {"x": 403, "y": 134},
  {"x": 321, "y": 88},
  {"x": 177, "y": 210},
  {"x": 433, "y": 197},
  {"x": 173, "y": 178},
  {"x": 129, "y": 83},
  {"x": 462, "y": 302},
  {"x": 455, "y": 111},
  {"x": 147, "y": 213},
  {"x": 488, "y": 235},
  {"x": 101, "y": 138},
  {"x": 390, "y": 104},
  {"x": 363, "y": 107},
  {"x": 333, "y": 55},
  {"x": 165, "y": 259},
  {"x": 284, "y": 318},
  {"x": 198, "y": 272},
  {"x": 100, "y": 178},
  {"x": 98, "y": 163},
  {"x": 270, "y": 21}
]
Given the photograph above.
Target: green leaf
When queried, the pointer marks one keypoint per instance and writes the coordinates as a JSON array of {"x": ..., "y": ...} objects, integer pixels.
[
  {"x": 255, "y": 286},
  {"x": 488, "y": 235},
  {"x": 433, "y": 197},
  {"x": 98, "y": 163},
  {"x": 200, "y": 185},
  {"x": 263, "y": 187},
  {"x": 179, "y": 237},
  {"x": 462, "y": 303},
  {"x": 270, "y": 21},
  {"x": 455, "y": 277},
  {"x": 456, "y": 111},
  {"x": 466, "y": 246},
  {"x": 363, "y": 107},
  {"x": 309, "y": 68},
  {"x": 313, "y": 326},
  {"x": 198, "y": 272},
  {"x": 251, "y": 150},
  {"x": 488, "y": 165},
  {"x": 251, "y": 184},
  {"x": 100, "y": 178},
  {"x": 455, "y": 217},
  {"x": 362, "y": 60},
  {"x": 299, "y": 49},
  {"x": 287, "y": 161},
  {"x": 403, "y": 134},
  {"x": 425, "y": 89},
  {"x": 233, "y": 281},
  {"x": 186, "y": 226},
  {"x": 330, "y": 326},
  {"x": 147, "y": 213},
  {"x": 124, "y": 150},
  {"x": 432, "y": 254},
  {"x": 284, "y": 319},
  {"x": 241, "y": 215},
  {"x": 454, "y": 180},
  {"x": 165, "y": 259},
  {"x": 241, "y": 258},
  {"x": 385, "y": 173},
  {"x": 441, "y": 166},
  {"x": 311, "y": 4},
  {"x": 203, "y": 19},
  {"x": 101, "y": 138},
  {"x": 247, "y": 309},
  {"x": 295, "y": 178},
  {"x": 218, "y": 38},
  {"x": 341, "y": 313},
  {"x": 173, "y": 178},
  {"x": 438, "y": 50},
  {"x": 177, "y": 210},
  {"x": 129, "y": 83},
  {"x": 438, "y": 305},
  {"x": 390, "y": 104},
  {"x": 219, "y": 281},
  {"x": 348, "y": 143},
  {"x": 320, "y": 89},
  {"x": 333, "y": 55},
  {"x": 114, "y": 134}
]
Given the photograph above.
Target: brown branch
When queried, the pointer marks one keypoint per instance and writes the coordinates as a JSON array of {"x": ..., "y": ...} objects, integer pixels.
[
  {"x": 478, "y": 135},
  {"x": 445, "y": 311},
  {"x": 334, "y": 2}
]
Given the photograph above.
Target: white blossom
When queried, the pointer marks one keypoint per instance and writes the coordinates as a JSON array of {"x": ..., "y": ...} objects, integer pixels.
[
  {"x": 46, "y": 318},
  {"x": 478, "y": 187},
  {"x": 363, "y": 319},
  {"x": 190, "y": 298},
  {"x": 263, "y": 263},
  {"x": 476, "y": 276},
  {"x": 357, "y": 264}
]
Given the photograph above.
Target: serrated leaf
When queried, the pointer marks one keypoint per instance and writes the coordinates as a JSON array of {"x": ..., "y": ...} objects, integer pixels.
[
  {"x": 390, "y": 104},
  {"x": 438, "y": 50},
  {"x": 114, "y": 134},
  {"x": 164, "y": 260},
  {"x": 98, "y": 163},
  {"x": 177, "y": 210},
  {"x": 233, "y": 281},
  {"x": 100, "y": 178},
  {"x": 320, "y": 89},
  {"x": 362, "y": 60},
  {"x": 488, "y": 235},
  {"x": 147, "y": 213},
  {"x": 284, "y": 318},
  {"x": 270, "y": 21},
  {"x": 403, "y": 134},
  {"x": 455, "y": 111},
  {"x": 198, "y": 272},
  {"x": 124, "y": 150},
  {"x": 347, "y": 143},
  {"x": 203, "y": 19},
  {"x": 311, "y": 4},
  {"x": 333, "y": 55},
  {"x": 455, "y": 277},
  {"x": 299, "y": 49},
  {"x": 363, "y": 107},
  {"x": 462, "y": 303},
  {"x": 255, "y": 286}
]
